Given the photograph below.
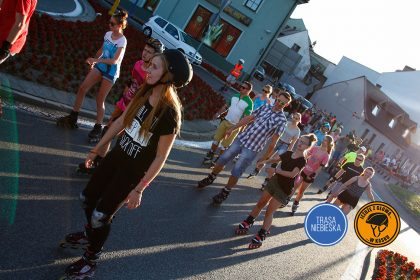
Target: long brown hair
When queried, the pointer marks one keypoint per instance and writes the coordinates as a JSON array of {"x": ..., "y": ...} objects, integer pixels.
[
  {"x": 330, "y": 146},
  {"x": 312, "y": 140},
  {"x": 167, "y": 98},
  {"x": 121, "y": 18}
]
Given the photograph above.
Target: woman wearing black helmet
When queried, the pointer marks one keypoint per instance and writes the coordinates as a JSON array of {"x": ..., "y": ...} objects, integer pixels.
[
  {"x": 138, "y": 75},
  {"x": 150, "y": 125}
]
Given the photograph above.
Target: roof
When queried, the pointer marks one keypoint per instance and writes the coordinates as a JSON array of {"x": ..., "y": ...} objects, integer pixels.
[
  {"x": 296, "y": 23},
  {"x": 389, "y": 110}
]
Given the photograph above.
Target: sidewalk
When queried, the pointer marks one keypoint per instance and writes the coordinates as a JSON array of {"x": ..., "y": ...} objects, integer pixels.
[{"x": 40, "y": 95}]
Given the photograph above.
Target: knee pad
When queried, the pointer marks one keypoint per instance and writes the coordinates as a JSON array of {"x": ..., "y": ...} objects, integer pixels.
[
  {"x": 99, "y": 219},
  {"x": 82, "y": 199},
  {"x": 105, "y": 129}
]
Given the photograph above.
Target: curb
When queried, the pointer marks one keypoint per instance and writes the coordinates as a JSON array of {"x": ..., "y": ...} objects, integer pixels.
[
  {"x": 369, "y": 264},
  {"x": 51, "y": 104},
  {"x": 43, "y": 102}
]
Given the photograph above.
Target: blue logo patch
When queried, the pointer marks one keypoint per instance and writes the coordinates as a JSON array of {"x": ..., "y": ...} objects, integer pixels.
[{"x": 326, "y": 224}]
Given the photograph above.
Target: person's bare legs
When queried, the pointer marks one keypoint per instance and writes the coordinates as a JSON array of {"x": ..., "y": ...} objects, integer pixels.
[
  {"x": 231, "y": 182},
  {"x": 104, "y": 89},
  {"x": 272, "y": 207},
  {"x": 346, "y": 208},
  {"x": 303, "y": 186},
  {"x": 93, "y": 77},
  {"x": 262, "y": 202}
]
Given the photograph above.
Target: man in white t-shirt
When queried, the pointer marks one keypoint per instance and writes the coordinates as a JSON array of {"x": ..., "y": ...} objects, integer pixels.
[{"x": 240, "y": 105}]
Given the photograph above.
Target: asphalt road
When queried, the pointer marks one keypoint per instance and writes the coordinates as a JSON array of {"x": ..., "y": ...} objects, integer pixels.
[
  {"x": 64, "y": 6},
  {"x": 176, "y": 232}
]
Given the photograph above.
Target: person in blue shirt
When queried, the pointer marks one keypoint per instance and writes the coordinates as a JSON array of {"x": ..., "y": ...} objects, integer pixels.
[
  {"x": 105, "y": 68},
  {"x": 263, "y": 98},
  {"x": 321, "y": 132}
]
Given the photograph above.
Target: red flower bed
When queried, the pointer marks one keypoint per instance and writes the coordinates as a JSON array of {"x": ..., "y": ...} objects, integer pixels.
[
  {"x": 200, "y": 100},
  {"x": 394, "y": 266},
  {"x": 56, "y": 50},
  {"x": 213, "y": 70}
]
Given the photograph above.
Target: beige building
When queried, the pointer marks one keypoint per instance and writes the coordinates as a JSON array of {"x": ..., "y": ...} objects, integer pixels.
[{"x": 376, "y": 118}]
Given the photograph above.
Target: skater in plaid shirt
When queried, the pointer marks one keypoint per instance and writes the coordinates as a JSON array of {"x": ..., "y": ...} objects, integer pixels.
[{"x": 265, "y": 123}]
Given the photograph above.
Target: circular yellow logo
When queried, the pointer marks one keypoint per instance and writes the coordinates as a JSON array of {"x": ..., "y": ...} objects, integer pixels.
[{"x": 377, "y": 224}]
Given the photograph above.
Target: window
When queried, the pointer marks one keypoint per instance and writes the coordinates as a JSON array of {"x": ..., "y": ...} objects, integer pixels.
[
  {"x": 172, "y": 30},
  {"x": 375, "y": 110},
  {"x": 296, "y": 47},
  {"x": 150, "y": 5},
  {"x": 365, "y": 133},
  {"x": 406, "y": 132},
  {"x": 372, "y": 138},
  {"x": 253, "y": 4},
  {"x": 392, "y": 123},
  {"x": 161, "y": 22},
  {"x": 227, "y": 34}
]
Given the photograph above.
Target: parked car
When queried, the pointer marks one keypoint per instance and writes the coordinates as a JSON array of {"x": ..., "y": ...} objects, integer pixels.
[
  {"x": 288, "y": 88},
  {"x": 259, "y": 73},
  {"x": 305, "y": 102},
  {"x": 171, "y": 36}
]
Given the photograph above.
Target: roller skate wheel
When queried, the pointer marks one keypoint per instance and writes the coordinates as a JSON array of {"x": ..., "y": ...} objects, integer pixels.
[
  {"x": 93, "y": 140},
  {"x": 241, "y": 231},
  {"x": 66, "y": 245}
]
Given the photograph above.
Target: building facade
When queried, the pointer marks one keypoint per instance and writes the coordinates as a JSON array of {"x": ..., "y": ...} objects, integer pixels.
[
  {"x": 244, "y": 30},
  {"x": 365, "y": 108}
]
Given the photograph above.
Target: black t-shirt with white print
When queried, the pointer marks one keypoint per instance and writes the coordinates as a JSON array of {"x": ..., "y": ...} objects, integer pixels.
[
  {"x": 288, "y": 163},
  {"x": 139, "y": 150}
]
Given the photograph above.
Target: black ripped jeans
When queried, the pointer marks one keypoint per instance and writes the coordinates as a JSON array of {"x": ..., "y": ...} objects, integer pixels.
[{"x": 105, "y": 193}]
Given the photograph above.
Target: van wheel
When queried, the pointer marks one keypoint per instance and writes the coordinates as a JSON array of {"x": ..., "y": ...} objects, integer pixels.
[{"x": 147, "y": 31}]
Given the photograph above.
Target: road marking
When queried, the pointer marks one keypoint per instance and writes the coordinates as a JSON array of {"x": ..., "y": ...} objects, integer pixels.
[{"x": 75, "y": 13}]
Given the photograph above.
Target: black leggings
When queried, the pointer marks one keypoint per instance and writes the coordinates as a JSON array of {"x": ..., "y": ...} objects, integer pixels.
[{"x": 104, "y": 195}]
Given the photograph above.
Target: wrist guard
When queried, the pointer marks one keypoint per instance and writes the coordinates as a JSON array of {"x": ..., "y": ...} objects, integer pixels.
[{"x": 5, "y": 48}]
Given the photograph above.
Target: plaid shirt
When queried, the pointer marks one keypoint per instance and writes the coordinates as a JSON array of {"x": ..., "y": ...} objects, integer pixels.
[{"x": 266, "y": 124}]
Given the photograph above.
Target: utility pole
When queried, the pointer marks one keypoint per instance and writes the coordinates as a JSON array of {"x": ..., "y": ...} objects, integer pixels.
[{"x": 114, "y": 7}]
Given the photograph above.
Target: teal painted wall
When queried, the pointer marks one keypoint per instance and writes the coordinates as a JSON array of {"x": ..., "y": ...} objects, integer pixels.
[{"x": 253, "y": 40}]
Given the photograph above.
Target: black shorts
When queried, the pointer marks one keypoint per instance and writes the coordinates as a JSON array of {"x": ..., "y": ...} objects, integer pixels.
[
  {"x": 347, "y": 198},
  {"x": 307, "y": 178}
]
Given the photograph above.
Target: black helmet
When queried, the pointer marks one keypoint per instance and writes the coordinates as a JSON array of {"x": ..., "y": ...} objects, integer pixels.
[
  {"x": 155, "y": 44},
  {"x": 179, "y": 66},
  {"x": 377, "y": 219}
]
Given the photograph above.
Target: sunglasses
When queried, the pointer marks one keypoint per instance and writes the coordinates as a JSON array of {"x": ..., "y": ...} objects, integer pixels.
[
  {"x": 359, "y": 159},
  {"x": 112, "y": 23},
  {"x": 243, "y": 87},
  {"x": 303, "y": 143},
  {"x": 266, "y": 91}
]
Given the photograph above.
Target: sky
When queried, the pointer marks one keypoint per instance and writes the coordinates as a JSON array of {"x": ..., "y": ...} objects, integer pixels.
[{"x": 383, "y": 35}]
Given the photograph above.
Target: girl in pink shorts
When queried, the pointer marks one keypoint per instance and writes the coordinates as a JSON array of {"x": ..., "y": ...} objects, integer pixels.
[{"x": 317, "y": 157}]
